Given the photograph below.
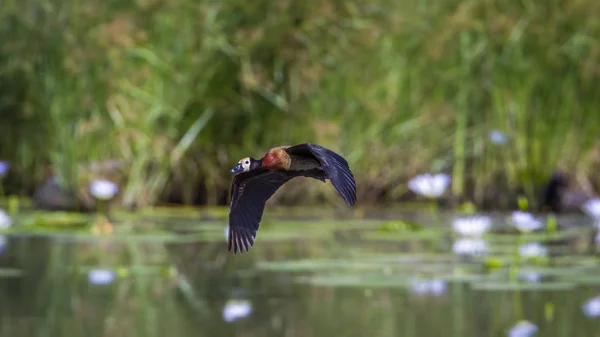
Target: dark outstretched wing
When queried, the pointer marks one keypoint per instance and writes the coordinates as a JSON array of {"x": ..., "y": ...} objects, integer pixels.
[
  {"x": 249, "y": 193},
  {"x": 334, "y": 165}
]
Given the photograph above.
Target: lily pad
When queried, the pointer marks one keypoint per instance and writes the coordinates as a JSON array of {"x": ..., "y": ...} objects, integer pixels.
[
  {"x": 521, "y": 286},
  {"x": 10, "y": 272},
  {"x": 355, "y": 280},
  {"x": 56, "y": 220},
  {"x": 181, "y": 212},
  {"x": 315, "y": 265},
  {"x": 584, "y": 279},
  {"x": 399, "y": 225},
  {"x": 425, "y": 234}
]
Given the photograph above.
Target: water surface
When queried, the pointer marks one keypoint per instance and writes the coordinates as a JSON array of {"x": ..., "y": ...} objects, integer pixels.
[{"x": 311, "y": 273}]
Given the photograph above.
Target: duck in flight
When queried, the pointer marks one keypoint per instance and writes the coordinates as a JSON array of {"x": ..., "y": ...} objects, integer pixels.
[{"x": 258, "y": 179}]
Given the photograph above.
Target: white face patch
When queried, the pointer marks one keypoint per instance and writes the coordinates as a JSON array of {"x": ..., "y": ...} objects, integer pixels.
[{"x": 245, "y": 164}]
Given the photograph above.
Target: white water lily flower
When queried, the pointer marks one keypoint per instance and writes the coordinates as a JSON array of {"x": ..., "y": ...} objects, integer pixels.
[
  {"x": 532, "y": 249},
  {"x": 430, "y": 186},
  {"x": 5, "y": 220},
  {"x": 236, "y": 309},
  {"x": 437, "y": 287},
  {"x": 497, "y": 137},
  {"x": 592, "y": 208},
  {"x": 475, "y": 225},
  {"x": 433, "y": 287},
  {"x": 103, "y": 189},
  {"x": 591, "y": 308},
  {"x": 101, "y": 276},
  {"x": 523, "y": 329},
  {"x": 525, "y": 222},
  {"x": 470, "y": 246},
  {"x": 419, "y": 287},
  {"x": 530, "y": 276}
]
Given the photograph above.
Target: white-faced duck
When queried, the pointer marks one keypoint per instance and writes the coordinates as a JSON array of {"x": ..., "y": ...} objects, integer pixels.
[{"x": 259, "y": 179}]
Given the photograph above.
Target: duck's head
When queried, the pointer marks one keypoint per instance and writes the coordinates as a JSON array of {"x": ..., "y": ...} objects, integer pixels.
[{"x": 246, "y": 164}]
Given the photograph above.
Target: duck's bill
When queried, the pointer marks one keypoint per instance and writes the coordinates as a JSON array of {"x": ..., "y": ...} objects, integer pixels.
[{"x": 238, "y": 168}]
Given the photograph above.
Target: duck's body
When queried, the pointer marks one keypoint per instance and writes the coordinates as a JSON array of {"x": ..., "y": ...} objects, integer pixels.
[{"x": 259, "y": 179}]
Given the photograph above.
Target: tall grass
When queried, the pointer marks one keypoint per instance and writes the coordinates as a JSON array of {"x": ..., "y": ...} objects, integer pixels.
[{"x": 179, "y": 90}]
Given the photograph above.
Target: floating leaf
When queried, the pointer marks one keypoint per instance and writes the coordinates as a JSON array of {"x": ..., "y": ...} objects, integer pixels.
[
  {"x": 355, "y": 280},
  {"x": 10, "y": 272},
  {"x": 316, "y": 265},
  {"x": 494, "y": 262},
  {"x": 511, "y": 286},
  {"x": 425, "y": 234},
  {"x": 399, "y": 225},
  {"x": 57, "y": 220}
]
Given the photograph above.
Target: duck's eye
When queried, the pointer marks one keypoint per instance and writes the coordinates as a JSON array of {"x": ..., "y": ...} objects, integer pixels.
[{"x": 247, "y": 162}]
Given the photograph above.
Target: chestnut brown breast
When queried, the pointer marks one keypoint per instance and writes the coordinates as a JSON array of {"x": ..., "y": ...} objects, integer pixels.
[{"x": 277, "y": 158}]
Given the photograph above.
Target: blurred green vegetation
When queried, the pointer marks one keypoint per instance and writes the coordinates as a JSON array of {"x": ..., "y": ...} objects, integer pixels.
[{"x": 176, "y": 91}]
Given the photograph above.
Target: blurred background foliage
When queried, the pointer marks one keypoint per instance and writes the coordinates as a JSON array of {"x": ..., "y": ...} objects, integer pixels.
[{"x": 164, "y": 96}]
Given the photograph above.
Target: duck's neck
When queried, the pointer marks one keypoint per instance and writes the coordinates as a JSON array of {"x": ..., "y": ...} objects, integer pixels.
[{"x": 256, "y": 164}]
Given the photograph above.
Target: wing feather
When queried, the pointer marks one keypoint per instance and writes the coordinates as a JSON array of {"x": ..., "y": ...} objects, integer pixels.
[
  {"x": 249, "y": 193},
  {"x": 335, "y": 167}
]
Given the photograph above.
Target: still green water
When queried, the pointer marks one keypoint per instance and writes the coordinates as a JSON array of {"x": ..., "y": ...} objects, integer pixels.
[{"x": 321, "y": 275}]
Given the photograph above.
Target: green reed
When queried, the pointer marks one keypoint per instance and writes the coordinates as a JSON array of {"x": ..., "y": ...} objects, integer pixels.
[{"x": 179, "y": 91}]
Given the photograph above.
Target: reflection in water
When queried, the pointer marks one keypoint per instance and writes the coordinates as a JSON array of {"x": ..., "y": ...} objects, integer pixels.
[
  {"x": 530, "y": 276},
  {"x": 424, "y": 287},
  {"x": 412, "y": 288},
  {"x": 523, "y": 329},
  {"x": 591, "y": 308},
  {"x": 236, "y": 309},
  {"x": 471, "y": 229},
  {"x": 470, "y": 246},
  {"x": 532, "y": 250}
]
